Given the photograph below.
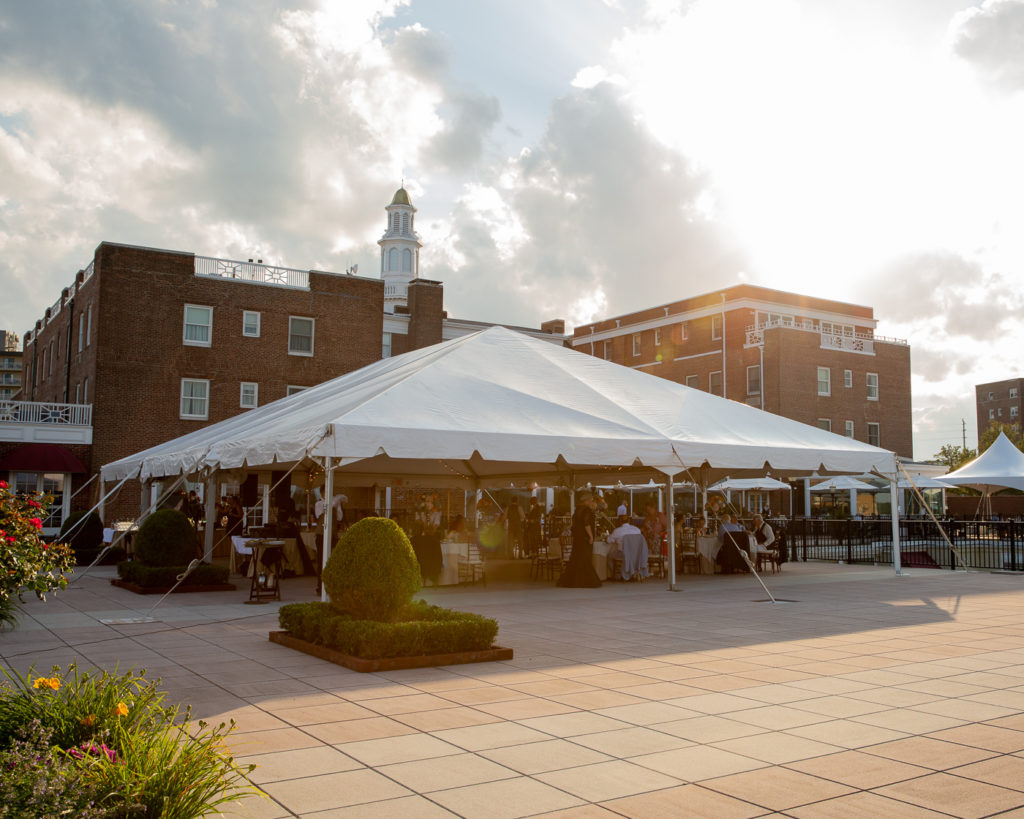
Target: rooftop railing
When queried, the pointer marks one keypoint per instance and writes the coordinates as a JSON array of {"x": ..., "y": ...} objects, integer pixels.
[
  {"x": 251, "y": 272},
  {"x": 857, "y": 341},
  {"x": 42, "y": 412}
]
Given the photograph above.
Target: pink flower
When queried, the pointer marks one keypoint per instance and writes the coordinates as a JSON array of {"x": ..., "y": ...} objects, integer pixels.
[
  {"x": 35, "y": 504},
  {"x": 3, "y": 484},
  {"x": 36, "y": 522}
]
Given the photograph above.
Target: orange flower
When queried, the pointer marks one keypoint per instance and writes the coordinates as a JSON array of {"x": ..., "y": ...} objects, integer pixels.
[
  {"x": 54, "y": 683},
  {"x": 89, "y": 721},
  {"x": 121, "y": 710},
  {"x": 46, "y": 682}
]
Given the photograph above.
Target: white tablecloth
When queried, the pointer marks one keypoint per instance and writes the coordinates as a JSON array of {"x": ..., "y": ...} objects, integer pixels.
[
  {"x": 600, "y": 559},
  {"x": 452, "y": 552},
  {"x": 292, "y": 560},
  {"x": 707, "y": 546}
]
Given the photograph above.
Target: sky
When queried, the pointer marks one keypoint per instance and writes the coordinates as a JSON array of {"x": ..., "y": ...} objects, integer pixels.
[{"x": 576, "y": 160}]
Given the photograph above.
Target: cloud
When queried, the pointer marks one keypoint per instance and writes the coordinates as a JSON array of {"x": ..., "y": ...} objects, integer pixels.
[{"x": 991, "y": 38}]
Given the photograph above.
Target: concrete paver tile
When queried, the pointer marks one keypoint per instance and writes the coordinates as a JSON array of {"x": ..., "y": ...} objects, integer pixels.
[
  {"x": 634, "y": 741},
  {"x": 403, "y": 807},
  {"x": 858, "y": 770},
  {"x": 607, "y": 780},
  {"x": 777, "y": 789},
  {"x": 506, "y": 799},
  {"x": 987, "y": 737},
  {"x": 443, "y": 718},
  {"x": 314, "y": 793},
  {"x": 686, "y": 800},
  {"x": 954, "y": 795},
  {"x": 646, "y": 713},
  {"x": 862, "y": 806},
  {"x": 697, "y": 763},
  {"x": 268, "y": 741},
  {"x": 298, "y": 763},
  {"x": 374, "y": 752},
  {"x": 931, "y": 753},
  {"x": 525, "y": 708},
  {"x": 442, "y": 773},
  {"x": 709, "y": 728},
  {"x": 1004, "y": 771},
  {"x": 847, "y": 734},
  {"x": 482, "y": 737},
  {"x": 574, "y": 724},
  {"x": 539, "y": 757},
  {"x": 908, "y": 721},
  {"x": 327, "y": 712},
  {"x": 354, "y": 730},
  {"x": 777, "y": 747}
]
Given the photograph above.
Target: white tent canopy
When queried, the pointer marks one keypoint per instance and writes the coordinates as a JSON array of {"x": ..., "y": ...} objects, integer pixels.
[
  {"x": 498, "y": 405},
  {"x": 749, "y": 485},
  {"x": 1001, "y": 466},
  {"x": 843, "y": 483},
  {"x": 923, "y": 482}
]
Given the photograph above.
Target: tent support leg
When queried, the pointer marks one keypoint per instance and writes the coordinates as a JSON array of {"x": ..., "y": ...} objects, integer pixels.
[
  {"x": 328, "y": 520},
  {"x": 897, "y": 563}
]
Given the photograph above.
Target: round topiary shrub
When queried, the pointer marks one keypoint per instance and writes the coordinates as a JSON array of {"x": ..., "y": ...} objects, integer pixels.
[
  {"x": 372, "y": 572},
  {"x": 84, "y": 535},
  {"x": 166, "y": 538}
]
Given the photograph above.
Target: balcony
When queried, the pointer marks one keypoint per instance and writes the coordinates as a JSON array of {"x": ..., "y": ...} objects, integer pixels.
[
  {"x": 45, "y": 422},
  {"x": 854, "y": 342},
  {"x": 250, "y": 271}
]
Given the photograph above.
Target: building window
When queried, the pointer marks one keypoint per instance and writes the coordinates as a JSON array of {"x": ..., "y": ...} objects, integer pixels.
[
  {"x": 300, "y": 335},
  {"x": 825, "y": 424},
  {"x": 849, "y": 429},
  {"x": 872, "y": 386},
  {"x": 78, "y": 393},
  {"x": 407, "y": 261},
  {"x": 85, "y": 391},
  {"x": 716, "y": 327},
  {"x": 250, "y": 393},
  {"x": 684, "y": 331},
  {"x": 636, "y": 344},
  {"x": 715, "y": 382},
  {"x": 874, "y": 436},
  {"x": 991, "y": 396},
  {"x": 693, "y": 381},
  {"x": 1013, "y": 392},
  {"x": 657, "y": 336},
  {"x": 81, "y": 332},
  {"x": 88, "y": 327},
  {"x": 754, "y": 380},
  {"x": 847, "y": 378},
  {"x": 250, "y": 324},
  {"x": 999, "y": 412},
  {"x": 607, "y": 351},
  {"x": 292, "y": 389},
  {"x": 991, "y": 415},
  {"x": 824, "y": 381},
  {"x": 198, "y": 325},
  {"x": 385, "y": 347},
  {"x": 1014, "y": 411},
  {"x": 195, "y": 398}
]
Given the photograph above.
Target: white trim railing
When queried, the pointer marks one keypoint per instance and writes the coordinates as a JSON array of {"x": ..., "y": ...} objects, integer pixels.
[
  {"x": 43, "y": 412},
  {"x": 857, "y": 342},
  {"x": 251, "y": 272}
]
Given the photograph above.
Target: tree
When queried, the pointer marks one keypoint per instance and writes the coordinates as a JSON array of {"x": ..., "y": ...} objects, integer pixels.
[
  {"x": 954, "y": 456},
  {"x": 988, "y": 437}
]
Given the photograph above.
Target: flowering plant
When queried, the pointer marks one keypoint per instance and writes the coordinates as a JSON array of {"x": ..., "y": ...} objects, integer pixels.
[{"x": 26, "y": 561}]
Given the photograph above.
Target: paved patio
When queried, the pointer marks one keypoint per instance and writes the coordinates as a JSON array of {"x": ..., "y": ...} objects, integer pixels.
[{"x": 868, "y": 695}]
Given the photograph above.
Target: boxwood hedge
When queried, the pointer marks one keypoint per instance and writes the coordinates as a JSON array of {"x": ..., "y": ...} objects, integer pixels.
[
  {"x": 205, "y": 574},
  {"x": 420, "y": 630}
]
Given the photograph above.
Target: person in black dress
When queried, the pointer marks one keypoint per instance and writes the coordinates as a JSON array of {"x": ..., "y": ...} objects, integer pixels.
[{"x": 579, "y": 571}]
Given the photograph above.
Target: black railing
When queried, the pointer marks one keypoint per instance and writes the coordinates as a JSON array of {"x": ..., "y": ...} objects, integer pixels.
[{"x": 982, "y": 544}]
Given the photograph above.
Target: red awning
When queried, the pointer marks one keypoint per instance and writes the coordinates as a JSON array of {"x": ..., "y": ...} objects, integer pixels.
[{"x": 41, "y": 458}]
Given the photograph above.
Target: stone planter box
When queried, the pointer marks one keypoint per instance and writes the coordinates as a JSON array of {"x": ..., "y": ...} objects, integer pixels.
[{"x": 389, "y": 663}]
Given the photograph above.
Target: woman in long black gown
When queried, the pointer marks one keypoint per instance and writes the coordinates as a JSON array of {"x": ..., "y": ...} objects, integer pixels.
[{"x": 579, "y": 571}]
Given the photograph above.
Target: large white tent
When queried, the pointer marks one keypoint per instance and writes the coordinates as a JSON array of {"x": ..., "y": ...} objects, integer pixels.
[
  {"x": 1001, "y": 466},
  {"x": 497, "y": 406}
]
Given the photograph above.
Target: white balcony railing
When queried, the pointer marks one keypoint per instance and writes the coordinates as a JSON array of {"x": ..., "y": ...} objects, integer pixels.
[
  {"x": 857, "y": 342},
  {"x": 41, "y": 412},
  {"x": 251, "y": 272}
]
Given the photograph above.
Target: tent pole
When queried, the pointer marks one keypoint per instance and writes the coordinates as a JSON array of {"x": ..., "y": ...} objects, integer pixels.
[
  {"x": 328, "y": 520},
  {"x": 671, "y": 536},
  {"x": 210, "y": 512},
  {"x": 897, "y": 563}
]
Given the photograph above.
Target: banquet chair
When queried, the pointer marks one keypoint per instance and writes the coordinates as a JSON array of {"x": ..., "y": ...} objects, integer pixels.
[
  {"x": 657, "y": 561},
  {"x": 472, "y": 568},
  {"x": 687, "y": 555}
]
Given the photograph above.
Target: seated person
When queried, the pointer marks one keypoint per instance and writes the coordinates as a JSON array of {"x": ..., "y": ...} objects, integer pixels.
[
  {"x": 764, "y": 537},
  {"x": 616, "y": 538},
  {"x": 732, "y": 537}
]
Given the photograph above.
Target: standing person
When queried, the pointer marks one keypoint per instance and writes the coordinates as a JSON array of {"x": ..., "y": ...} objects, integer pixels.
[
  {"x": 654, "y": 527},
  {"x": 515, "y": 528},
  {"x": 534, "y": 527},
  {"x": 579, "y": 571}
]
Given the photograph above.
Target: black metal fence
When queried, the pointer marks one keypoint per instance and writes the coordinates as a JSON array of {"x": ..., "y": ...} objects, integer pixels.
[{"x": 985, "y": 544}]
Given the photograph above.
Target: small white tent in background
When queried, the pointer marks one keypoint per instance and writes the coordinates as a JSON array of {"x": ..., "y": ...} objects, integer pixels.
[
  {"x": 1001, "y": 466},
  {"x": 498, "y": 406}
]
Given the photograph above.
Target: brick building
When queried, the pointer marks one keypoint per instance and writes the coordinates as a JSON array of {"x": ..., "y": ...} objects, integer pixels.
[
  {"x": 998, "y": 402},
  {"x": 151, "y": 344},
  {"x": 813, "y": 360},
  {"x": 10, "y": 366}
]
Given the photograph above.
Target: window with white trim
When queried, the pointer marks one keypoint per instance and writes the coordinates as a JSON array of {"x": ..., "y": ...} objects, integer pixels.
[
  {"x": 657, "y": 336},
  {"x": 716, "y": 327},
  {"x": 300, "y": 335},
  {"x": 292, "y": 389},
  {"x": 874, "y": 434},
  {"x": 849, "y": 429},
  {"x": 999, "y": 412},
  {"x": 88, "y": 327},
  {"x": 754, "y": 380},
  {"x": 385, "y": 348},
  {"x": 250, "y": 324},
  {"x": 872, "y": 386},
  {"x": 195, "y": 398},
  {"x": 636, "y": 344},
  {"x": 81, "y": 332},
  {"x": 608, "y": 351},
  {"x": 824, "y": 381},
  {"x": 991, "y": 415},
  {"x": 1013, "y": 392},
  {"x": 847, "y": 378},
  {"x": 250, "y": 395},
  {"x": 693, "y": 381},
  {"x": 1014, "y": 412},
  {"x": 825, "y": 424},
  {"x": 198, "y": 325},
  {"x": 85, "y": 391},
  {"x": 715, "y": 382},
  {"x": 684, "y": 331}
]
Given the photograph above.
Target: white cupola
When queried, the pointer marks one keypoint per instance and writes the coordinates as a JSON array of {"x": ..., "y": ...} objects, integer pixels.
[{"x": 399, "y": 250}]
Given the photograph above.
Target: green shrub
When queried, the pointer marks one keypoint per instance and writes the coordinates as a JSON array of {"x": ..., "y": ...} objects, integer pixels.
[
  {"x": 205, "y": 574},
  {"x": 166, "y": 538},
  {"x": 84, "y": 534},
  {"x": 372, "y": 572},
  {"x": 420, "y": 630},
  {"x": 85, "y": 557}
]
